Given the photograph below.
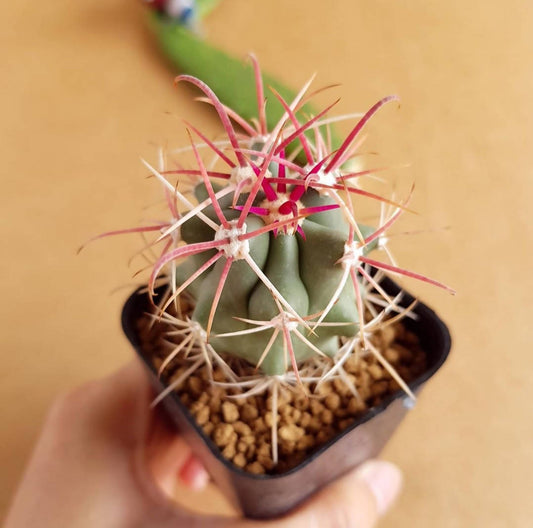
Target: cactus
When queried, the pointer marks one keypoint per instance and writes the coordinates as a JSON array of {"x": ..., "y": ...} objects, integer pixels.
[
  {"x": 276, "y": 262},
  {"x": 272, "y": 254}
]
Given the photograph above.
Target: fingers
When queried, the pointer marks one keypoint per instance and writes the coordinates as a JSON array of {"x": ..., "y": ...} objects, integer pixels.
[
  {"x": 355, "y": 501},
  {"x": 168, "y": 457},
  {"x": 384, "y": 481},
  {"x": 165, "y": 455},
  {"x": 111, "y": 412},
  {"x": 193, "y": 474},
  {"x": 114, "y": 412}
]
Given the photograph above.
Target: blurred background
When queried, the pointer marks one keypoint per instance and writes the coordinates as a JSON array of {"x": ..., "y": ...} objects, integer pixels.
[{"x": 85, "y": 94}]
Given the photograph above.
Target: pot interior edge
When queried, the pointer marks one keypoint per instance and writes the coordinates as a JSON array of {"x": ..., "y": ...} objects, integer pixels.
[{"x": 434, "y": 336}]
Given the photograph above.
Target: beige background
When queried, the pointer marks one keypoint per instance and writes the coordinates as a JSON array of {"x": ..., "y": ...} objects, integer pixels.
[{"x": 84, "y": 93}]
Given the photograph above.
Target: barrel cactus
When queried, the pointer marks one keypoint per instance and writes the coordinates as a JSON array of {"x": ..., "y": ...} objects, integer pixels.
[{"x": 270, "y": 250}]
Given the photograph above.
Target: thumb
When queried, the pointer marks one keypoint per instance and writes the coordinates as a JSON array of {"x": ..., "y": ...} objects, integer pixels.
[{"x": 356, "y": 500}]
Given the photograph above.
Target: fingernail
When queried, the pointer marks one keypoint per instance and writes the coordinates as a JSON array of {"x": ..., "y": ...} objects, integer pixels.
[
  {"x": 199, "y": 480},
  {"x": 384, "y": 480}
]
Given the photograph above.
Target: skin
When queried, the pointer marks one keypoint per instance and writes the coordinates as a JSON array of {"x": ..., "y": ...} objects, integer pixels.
[{"x": 105, "y": 459}]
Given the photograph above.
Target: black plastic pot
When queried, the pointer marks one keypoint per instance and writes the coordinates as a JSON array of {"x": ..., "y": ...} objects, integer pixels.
[{"x": 264, "y": 496}]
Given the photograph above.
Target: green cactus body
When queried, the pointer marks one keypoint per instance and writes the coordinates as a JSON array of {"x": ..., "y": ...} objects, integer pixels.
[{"x": 305, "y": 271}]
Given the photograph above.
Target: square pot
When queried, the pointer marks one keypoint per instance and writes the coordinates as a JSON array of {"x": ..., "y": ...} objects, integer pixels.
[{"x": 264, "y": 496}]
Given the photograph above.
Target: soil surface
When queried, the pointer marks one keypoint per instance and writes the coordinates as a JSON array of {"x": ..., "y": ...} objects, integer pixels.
[{"x": 242, "y": 426}]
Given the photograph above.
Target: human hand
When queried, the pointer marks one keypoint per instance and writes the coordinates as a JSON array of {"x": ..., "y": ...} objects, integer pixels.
[{"x": 105, "y": 459}]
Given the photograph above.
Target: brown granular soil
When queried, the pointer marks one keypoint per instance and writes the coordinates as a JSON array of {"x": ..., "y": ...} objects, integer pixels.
[{"x": 241, "y": 427}]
